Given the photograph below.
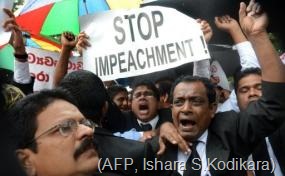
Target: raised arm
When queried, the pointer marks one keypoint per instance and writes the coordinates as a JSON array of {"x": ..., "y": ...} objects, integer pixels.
[
  {"x": 202, "y": 68},
  {"x": 244, "y": 48},
  {"x": 231, "y": 26},
  {"x": 69, "y": 42},
  {"x": 254, "y": 24},
  {"x": 22, "y": 78},
  {"x": 263, "y": 116}
]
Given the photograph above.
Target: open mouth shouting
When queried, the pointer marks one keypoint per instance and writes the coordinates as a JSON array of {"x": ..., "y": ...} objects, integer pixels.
[
  {"x": 185, "y": 124},
  {"x": 143, "y": 108}
]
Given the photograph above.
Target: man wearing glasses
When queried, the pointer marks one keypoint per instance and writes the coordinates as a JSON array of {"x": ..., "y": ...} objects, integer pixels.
[
  {"x": 52, "y": 136},
  {"x": 144, "y": 115}
]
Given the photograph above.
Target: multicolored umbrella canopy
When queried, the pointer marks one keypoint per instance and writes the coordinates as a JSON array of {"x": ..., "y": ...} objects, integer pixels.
[
  {"x": 42, "y": 43},
  {"x": 44, "y": 19},
  {"x": 52, "y": 19}
]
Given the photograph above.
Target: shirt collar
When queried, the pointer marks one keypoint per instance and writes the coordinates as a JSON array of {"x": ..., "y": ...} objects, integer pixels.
[
  {"x": 203, "y": 137},
  {"x": 152, "y": 122},
  {"x": 202, "y": 141}
]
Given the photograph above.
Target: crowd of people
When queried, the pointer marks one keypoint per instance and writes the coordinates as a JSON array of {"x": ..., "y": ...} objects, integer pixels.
[{"x": 192, "y": 125}]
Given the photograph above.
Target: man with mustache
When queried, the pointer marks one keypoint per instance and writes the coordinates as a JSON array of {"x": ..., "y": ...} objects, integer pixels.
[{"x": 52, "y": 136}]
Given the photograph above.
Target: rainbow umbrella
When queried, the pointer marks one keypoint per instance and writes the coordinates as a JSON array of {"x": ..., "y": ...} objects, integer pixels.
[
  {"x": 44, "y": 20},
  {"x": 52, "y": 19},
  {"x": 42, "y": 43}
]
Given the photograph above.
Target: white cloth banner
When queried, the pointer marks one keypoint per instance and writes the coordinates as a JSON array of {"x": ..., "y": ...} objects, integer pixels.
[
  {"x": 4, "y": 36},
  {"x": 42, "y": 65},
  {"x": 134, "y": 42}
]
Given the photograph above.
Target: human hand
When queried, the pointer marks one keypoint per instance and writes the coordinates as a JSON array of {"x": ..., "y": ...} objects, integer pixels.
[
  {"x": 227, "y": 24},
  {"x": 82, "y": 42},
  {"x": 147, "y": 135},
  {"x": 206, "y": 28},
  {"x": 16, "y": 38},
  {"x": 168, "y": 133},
  {"x": 68, "y": 40},
  {"x": 252, "y": 20}
]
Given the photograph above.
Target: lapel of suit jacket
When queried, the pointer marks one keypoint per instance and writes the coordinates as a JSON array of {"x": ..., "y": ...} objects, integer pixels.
[
  {"x": 164, "y": 115},
  {"x": 215, "y": 153},
  {"x": 134, "y": 122},
  {"x": 169, "y": 155}
]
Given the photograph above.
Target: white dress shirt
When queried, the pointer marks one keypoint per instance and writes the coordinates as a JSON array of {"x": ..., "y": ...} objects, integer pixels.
[
  {"x": 152, "y": 122},
  {"x": 201, "y": 149}
]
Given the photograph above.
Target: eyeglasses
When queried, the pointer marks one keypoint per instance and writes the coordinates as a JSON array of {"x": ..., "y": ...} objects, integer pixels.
[
  {"x": 66, "y": 128},
  {"x": 145, "y": 94}
]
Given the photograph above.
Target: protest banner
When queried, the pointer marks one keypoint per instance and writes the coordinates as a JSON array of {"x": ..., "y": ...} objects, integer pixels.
[
  {"x": 42, "y": 65},
  {"x": 135, "y": 42}
]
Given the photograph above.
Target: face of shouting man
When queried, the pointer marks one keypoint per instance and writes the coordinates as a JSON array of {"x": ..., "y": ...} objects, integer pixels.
[
  {"x": 144, "y": 103},
  {"x": 64, "y": 143},
  {"x": 191, "y": 110}
]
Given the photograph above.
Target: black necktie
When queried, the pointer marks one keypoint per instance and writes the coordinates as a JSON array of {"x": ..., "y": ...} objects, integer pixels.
[
  {"x": 261, "y": 154},
  {"x": 194, "y": 163},
  {"x": 146, "y": 127}
]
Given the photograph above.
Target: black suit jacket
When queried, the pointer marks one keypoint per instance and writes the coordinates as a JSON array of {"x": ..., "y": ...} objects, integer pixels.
[
  {"x": 129, "y": 121},
  {"x": 130, "y": 154},
  {"x": 233, "y": 136},
  {"x": 277, "y": 141}
]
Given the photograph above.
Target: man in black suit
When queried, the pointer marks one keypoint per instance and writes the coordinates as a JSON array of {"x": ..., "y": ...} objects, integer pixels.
[
  {"x": 222, "y": 142},
  {"x": 145, "y": 114},
  {"x": 97, "y": 107},
  {"x": 248, "y": 89}
]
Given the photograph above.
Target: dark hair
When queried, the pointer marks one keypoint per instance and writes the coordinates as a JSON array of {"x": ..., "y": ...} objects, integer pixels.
[
  {"x": 89, "y": 91},
  {"x": 164, "y": 87},
  {"x": 115, "y": 89},
  {"x": 6, "y": 76},
  {"x": 211, "y": 93},
  {"x": 150, "y": 85},
  {"x": 243, "y": 73},
  {"x": 23, "y": 116}
]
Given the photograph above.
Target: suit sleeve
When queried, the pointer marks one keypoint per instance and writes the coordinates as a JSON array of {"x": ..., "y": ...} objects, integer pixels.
[
  {"x": 264, "y": 116},
  {"x": 241, "y": 132}
]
